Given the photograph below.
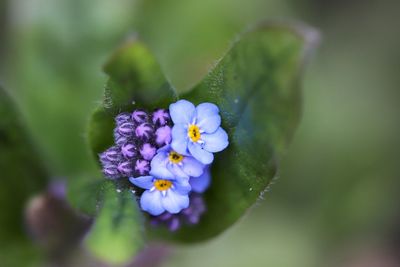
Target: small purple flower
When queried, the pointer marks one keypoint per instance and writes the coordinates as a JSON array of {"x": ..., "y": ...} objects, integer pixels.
[
  {"x": 111, "y": 171},
  {"x": 162, "y": 195},
  {"x": 125, "y": 168},
  {"x": 135, "y": 144},
  {"x": 113, "y": 154},
  {"x": 174, "y": 224},
  {"x": 147, "y": 151},
  {"x": 126, "y": 129},
  {"x": 197, "y": 207},
  {"x": 120, "y": 139},
  {"x": 122, "y": 118},
  {"x": 140, "y": 116},
  {"x": 128, "y": 150},
  {"x": 144, "y": 131},
  {"x": 161, "y": 117},
  {"x": 168, "y": 164},
  {"x": 197, "y": 130},
  {"x": 142, "y": 167},
  {"x": 163, "y": 135}
]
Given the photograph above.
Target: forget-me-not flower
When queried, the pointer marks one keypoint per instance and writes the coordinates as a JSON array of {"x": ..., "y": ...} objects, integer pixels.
[
  {"x": 168, "y": 164},
  {"x": 162, "y": 195},
  {"x": 197, "y": 130}
]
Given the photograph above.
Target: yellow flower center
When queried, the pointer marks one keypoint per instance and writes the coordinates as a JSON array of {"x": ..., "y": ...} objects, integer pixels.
[
  {"x": 175, "y": 157},
  {"x": 162, "y": 185},
  {"x": 194, "y": 133}
]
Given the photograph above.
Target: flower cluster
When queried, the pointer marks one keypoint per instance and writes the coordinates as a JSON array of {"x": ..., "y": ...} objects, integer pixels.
[
  {"x": 168, "y": 154},
  {"x": 137, "y": 137}
]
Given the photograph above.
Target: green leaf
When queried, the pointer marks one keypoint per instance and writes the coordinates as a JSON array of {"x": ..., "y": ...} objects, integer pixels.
[
  {"x": 85, "y": 193},
  {"x": 256, "y": 85},
  {"x": 136, "y": 81},
  {"x": 22, "y": 173},
  {"x": 257, "y": 88},
  {"x": 117, "y": 233}
]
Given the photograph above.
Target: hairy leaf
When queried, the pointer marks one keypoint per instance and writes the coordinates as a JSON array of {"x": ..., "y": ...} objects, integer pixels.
[
  {"x": 117, "y": 233},
  {"x": 136, "y": 81},
  {"x": 256, "y": 85}
]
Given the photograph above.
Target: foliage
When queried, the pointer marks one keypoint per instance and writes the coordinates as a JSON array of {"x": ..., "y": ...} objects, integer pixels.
[{"x": 257, "y": 88}]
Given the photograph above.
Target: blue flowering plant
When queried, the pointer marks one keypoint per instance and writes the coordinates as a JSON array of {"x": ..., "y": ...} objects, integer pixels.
[
  {"x": 158, "y": 152},
  {"x": 193, "y": 168},
  {"x": 167, "y": 153}
]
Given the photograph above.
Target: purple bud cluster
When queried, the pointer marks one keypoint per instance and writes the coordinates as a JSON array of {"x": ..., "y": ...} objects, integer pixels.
[
  {"x": 137, "y": 136},
  {"x": 189, "y": 216}
]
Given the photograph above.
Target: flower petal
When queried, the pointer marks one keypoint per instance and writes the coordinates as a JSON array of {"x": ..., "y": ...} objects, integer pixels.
[
  {"x": 192, "y": 167},
  {"x": 201, "y": 183},
  {"x": 174, "y": 202},
  {"x": 200, "y": 154},
  {"x": 179, "y": 138},
  {"x": 177, "y": 171},
  {"x": 216, "y": 141},
  {"x": 152, "y": 202},
  {"x": 145, "y": 182},
  {"x": 159, "y": 166},
  {"x": 182, "y": 186},
  {"x": 208, "y": 118},
  {"x": 165, "y": 149},
  {"x": 182, "y": 112}
]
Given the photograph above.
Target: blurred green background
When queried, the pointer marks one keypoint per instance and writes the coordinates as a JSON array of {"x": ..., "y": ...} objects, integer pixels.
[{"x": 336, "y": 202}]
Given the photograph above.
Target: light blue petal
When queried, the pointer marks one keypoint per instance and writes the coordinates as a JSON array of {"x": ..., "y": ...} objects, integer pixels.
[
  {"x": 215, "y": 142},
  {"x": 182, "y": 186},
  {"x": 201, "y": 183},
  {"x": 145, "y": 182},
  {"x": 208, "y": 118},
  {"x": 182, "y": 112},
  {"x": 152, "y": 202},
  {"x": 180, "y": 139},
  {"x": 210, "y": 124},
  {"x": 192, "y": 167},
  {"x": 159, "y": 166},
  {"x": 177, "y": 171},
  {"x": 200, "y": 154},
  {"x": 174, "y": 202},
  {"x": 165, "y": 148}
]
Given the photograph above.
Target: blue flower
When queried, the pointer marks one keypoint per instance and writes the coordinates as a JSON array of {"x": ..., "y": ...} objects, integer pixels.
[
  {"x": 168, "y": 164},
  {"x": 201, "y": 183},
  {"x": 197, "y": 130},
  {"x": 162, "y": 195}
]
